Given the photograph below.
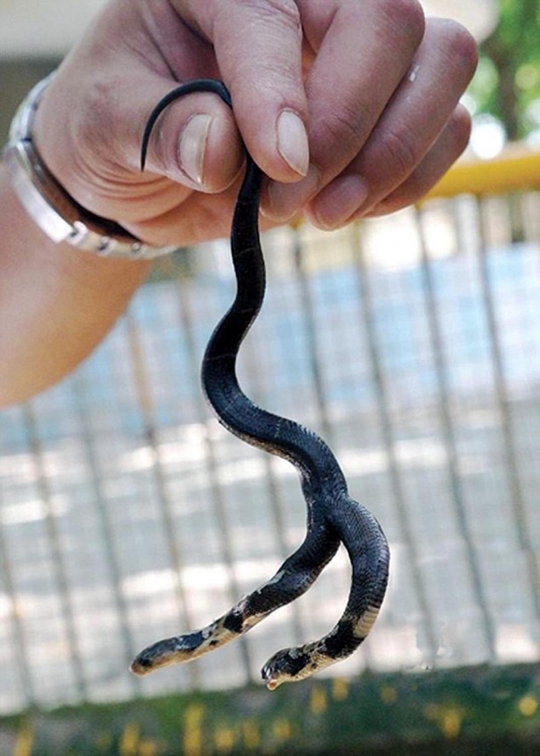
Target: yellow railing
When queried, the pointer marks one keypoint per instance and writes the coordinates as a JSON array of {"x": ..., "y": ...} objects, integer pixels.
[{"x": 515, "y": 169}]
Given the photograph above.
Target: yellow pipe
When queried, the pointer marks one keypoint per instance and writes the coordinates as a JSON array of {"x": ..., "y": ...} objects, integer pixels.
[{"x": 515, "y": 169}]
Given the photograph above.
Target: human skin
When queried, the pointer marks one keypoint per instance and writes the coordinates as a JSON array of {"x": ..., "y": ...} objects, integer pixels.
[{"x": 350, "y": 107}]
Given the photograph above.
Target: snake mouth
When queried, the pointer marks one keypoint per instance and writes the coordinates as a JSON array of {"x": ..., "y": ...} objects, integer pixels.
[
  {"x": 153, "y": 657},
  {"x": 138, "y": 669},
  {"x": 271, "y": 682},
  {"x": 141, "y": 666}
]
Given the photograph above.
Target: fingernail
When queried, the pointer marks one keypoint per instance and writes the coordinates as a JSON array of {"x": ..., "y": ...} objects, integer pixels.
[
  {"x": 292, "y": 141},
  {"x": 335, "y": 205},
  {"x": 192, "y": 147}
]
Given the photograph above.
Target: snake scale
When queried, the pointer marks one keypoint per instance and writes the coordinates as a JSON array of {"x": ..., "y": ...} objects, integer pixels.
[{"x": 332, "y": 516}]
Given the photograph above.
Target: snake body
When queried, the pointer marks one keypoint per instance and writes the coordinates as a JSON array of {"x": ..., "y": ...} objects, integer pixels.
[{"x": 332, "y": 515}]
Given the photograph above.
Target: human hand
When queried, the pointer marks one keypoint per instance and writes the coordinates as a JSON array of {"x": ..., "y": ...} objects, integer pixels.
[{"x": 374, "y": 87}]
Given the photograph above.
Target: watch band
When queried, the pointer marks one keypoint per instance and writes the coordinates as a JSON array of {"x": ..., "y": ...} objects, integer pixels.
[{"x": 53, "y": 210}]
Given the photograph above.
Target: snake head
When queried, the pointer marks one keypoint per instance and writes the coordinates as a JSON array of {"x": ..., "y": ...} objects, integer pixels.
[
  {"x": 153, "y": 657},
  {"x": 288, "y": 665},
  {"x": 181, "y": 648}
]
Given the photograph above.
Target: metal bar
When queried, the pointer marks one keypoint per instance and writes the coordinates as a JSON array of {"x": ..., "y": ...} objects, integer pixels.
[
  {"x": 388, "y": 437},
  {"x": 447, "y": 430},
  {"x": 212, "y": 466},
  {"x": 308, "y": 313},
  {"x": 531, "y": 211},
  {"x": 79, "y": 385},
  {"x": 55, "y": 546},
  {"x": 144, "y": 398},
  {"x": 18, "y": 634},
  {"x": 515, "y": 169},
  {"x": 274, "y": 491},
  {"x": 516, "y": 218},
  {"x": 503, "y": 404}
]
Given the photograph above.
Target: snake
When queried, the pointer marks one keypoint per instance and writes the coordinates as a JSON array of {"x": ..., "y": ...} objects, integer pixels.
[{"x": 333, "y": 517}]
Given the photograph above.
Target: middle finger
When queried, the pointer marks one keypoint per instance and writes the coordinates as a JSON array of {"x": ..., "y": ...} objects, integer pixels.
[
  {"x": 414, "y": 119},
  {"x": 363, "y": 51}
]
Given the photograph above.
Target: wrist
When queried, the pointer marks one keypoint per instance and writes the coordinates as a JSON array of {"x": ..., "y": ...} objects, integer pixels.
[{"x": 59, "y": 216}]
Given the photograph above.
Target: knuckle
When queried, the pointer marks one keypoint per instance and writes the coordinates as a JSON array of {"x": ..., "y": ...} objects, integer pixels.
[
  {"x": 274, "y": 26},
  {"x": 401, "y": 19},
  {"x": 455, "y": 45},
  {"x": 344, "y": 126},
  {"x": 288, "y": 10},
  {"x": 283, "y": 12},
  {"x": 460, "y": 126},
  {"x": 284, "y": 16},
  {"x": 96, "y": 118},
  {"x": 405, "y": 15},
  {"x": 397, "y": 150},
  {"x": 462, "y": 47}
]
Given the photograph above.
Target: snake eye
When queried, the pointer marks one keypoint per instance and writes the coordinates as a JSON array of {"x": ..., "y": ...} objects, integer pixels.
[
  {"x": 141, "y": 665},
  {"x": 288, "y": 664}
]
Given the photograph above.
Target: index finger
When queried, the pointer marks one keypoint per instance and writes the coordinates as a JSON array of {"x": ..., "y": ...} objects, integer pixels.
[
  {"x": 363, "y": 51},
  {"x": 258, "y": 47}
]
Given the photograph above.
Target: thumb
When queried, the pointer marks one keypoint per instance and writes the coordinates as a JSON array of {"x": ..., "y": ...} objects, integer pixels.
[
  {"x": 91, "y": 136},
  {"x": 194, "y": 139}
]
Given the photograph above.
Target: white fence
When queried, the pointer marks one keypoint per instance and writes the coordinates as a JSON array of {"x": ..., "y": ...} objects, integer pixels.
[{"x": 128, "y": 514}]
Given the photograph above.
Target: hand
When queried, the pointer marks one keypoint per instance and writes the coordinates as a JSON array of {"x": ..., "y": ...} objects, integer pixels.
[{"x": 349, "y": 106}]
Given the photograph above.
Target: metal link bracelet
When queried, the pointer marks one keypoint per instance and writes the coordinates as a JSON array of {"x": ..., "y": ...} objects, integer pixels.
[{"x": 53, "y": 210}]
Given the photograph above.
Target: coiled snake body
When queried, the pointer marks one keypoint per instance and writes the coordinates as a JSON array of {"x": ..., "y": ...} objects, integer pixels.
[{"x": 332, "y": 516}]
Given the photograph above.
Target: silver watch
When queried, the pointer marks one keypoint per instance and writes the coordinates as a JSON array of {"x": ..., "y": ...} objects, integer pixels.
[{"x": 53, "y": 210}]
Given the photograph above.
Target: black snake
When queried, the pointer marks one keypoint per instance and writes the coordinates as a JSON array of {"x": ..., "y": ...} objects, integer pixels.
[{"x": 333, "y": 517}]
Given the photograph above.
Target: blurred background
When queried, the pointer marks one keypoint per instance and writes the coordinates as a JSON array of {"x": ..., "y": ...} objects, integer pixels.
[{"x": 127, "y": 514}]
